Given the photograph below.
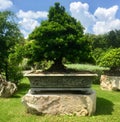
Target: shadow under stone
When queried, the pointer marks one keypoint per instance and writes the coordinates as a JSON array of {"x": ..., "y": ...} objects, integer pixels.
[
  {"x": 22, "y": 90},
  {"x": 103, "y": 107}
]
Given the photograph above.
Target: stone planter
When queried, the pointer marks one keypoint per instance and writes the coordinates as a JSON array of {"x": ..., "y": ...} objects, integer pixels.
[
  {"x": 60, "y": 94},
  {"x": 60, "y": 82},
  {"x": 110, "y": 82}
]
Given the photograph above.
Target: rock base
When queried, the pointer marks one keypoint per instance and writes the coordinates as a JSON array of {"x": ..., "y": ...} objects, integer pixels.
[
  {"x": 60, "y": 104},
  {"x": 110, "y": 82},
  {"x": 7, "y": 89}
]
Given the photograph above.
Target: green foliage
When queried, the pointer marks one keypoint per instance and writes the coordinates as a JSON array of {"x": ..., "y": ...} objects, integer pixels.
[
  {"x": 61, "y": 36},
  {"x": 15, "y": 72},
  {"x": 99, "y": 41},
  {"x": 24, "y": 64},
  {"x": 14, "y": 60},
  {"x": 102, "y": 43},
  {"x": 97, "y": 53},
  {"x": 29, "y": 60},
  {"x": 106, "y": 41},
  {"x": 10, "y": 35},
  {"x": 29, "y": 50},
  {"x": 113, "y": 38},
  {"x": 111, "y": 59},
  {"x": 43, "y": 65}
]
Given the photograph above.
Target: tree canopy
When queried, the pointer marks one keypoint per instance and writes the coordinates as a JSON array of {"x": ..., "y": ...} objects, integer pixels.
[
  {"x": 10, "y": 35},
  {"x": 61, "y": 36}
]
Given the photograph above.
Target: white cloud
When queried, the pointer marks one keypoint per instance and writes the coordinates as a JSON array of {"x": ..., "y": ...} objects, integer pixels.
[
  {"x": 29, "y": 20},
  {"x": 32, "y": 14},
  {"x": 27, "y": 25},
  {"x": 102, "y": 27},
  {"x": 81, "y": 12},
  {"x": 5, "y": 4},
  {"x": 103, "y": 14},
  {"x": 106, "y": 20},
  {"x": 103, "y": 20}
]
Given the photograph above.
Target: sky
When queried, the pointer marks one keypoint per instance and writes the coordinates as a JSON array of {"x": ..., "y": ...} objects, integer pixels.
[{"x": 96, "y": 16}]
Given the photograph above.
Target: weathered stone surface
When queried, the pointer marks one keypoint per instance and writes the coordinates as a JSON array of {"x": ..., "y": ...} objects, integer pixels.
[
  {"x": 110, "y": 82},
  {"x": 7, "y": 89},
  {"x": 60, "y": 104},
  {"x": 58, "y": 82}
]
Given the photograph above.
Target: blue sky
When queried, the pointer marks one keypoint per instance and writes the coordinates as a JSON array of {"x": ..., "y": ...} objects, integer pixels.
[{"x": 97, "y": 16}]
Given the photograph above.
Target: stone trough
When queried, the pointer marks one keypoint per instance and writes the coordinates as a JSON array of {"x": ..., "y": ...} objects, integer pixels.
[{"x": 60, "y": 94}]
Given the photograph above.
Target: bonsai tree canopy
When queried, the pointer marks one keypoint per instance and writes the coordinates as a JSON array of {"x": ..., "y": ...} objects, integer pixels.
[{"x": 60, "y": 36}]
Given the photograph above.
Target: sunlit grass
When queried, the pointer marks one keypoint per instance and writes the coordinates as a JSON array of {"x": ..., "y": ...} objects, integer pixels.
[{"x": 107, "y": 108}]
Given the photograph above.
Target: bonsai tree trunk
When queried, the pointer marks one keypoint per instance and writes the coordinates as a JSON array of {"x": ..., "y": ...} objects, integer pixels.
[{"x": 57, "y": 66}]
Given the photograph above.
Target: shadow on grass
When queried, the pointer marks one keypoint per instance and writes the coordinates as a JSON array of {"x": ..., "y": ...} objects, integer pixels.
[
  {"x": 22, "y": 90},
  {"x": 104, "y": 107}
]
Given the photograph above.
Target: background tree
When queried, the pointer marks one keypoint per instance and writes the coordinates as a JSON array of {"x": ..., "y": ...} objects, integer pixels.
[
  {"x": 99, "y": 45},
  {"x": 9, "y": 36},
  {"x": 103, "y": 43},
  {"x": 113, "y": 38},
  {"x": 61, "y": 36}
]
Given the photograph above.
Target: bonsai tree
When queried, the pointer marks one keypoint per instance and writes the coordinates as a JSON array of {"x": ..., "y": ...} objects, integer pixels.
[
  {"x": 111, "y": 59},
  {"x": 61, "y": 36}
]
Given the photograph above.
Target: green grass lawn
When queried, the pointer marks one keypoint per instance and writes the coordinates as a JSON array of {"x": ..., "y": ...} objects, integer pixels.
[{"x": 107, "y": 108}]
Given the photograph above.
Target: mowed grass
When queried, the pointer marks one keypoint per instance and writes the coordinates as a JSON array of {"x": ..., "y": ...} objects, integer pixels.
[{"x": 107, "y": 108}]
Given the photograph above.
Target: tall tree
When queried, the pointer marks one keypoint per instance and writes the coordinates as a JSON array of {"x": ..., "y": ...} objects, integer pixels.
[
  {"x": 61, "y": 36},
  {"x": 113, "y": 38},
  {"x": 9, "y": 36}
]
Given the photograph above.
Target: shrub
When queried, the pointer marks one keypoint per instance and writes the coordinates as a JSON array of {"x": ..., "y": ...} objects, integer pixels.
[
  {"x": 97, "y": 54},
  {"x": 15, "y": 73},
  {"x": 111, "y": 59},
  {"x": 14, "y": 69}
]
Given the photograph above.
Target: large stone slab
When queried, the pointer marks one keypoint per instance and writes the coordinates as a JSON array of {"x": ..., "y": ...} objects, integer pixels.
[
  {"x": 60, "y": 104},
  {"x": 110, "y": 82}
]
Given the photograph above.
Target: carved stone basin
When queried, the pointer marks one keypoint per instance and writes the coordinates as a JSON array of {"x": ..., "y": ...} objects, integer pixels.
[{"x": 60, "y": 82}]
